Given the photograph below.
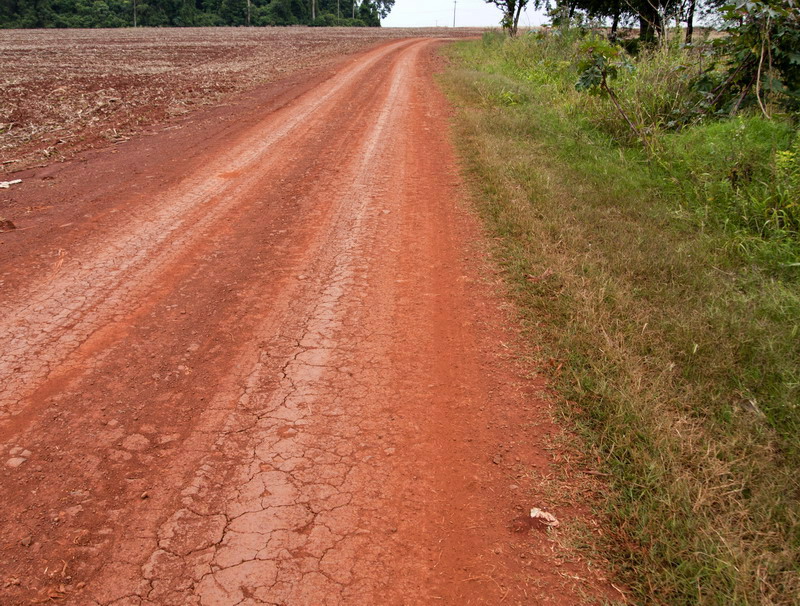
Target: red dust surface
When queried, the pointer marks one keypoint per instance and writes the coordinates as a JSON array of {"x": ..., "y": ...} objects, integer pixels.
[{"x": 258, "y": 359}]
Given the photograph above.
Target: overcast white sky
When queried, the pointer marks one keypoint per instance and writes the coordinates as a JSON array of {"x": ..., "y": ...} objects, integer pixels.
[{"x": 469, "y": 13}]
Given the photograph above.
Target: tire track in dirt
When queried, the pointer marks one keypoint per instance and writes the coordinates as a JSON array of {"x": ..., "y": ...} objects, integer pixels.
[
  {"x": 85, "y": 293},
  {"x": 287, "y": 530}
]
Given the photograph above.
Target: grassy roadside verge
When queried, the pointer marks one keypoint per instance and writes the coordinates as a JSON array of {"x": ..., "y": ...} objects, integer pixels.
[{"x": 679, "y": 335}]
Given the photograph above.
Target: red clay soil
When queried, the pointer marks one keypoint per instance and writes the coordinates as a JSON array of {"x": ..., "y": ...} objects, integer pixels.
[{"x": 254, "y": 360}]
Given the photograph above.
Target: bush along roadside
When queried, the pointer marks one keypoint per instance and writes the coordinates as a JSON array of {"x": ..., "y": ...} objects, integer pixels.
[{"x": 657, "y": 257}]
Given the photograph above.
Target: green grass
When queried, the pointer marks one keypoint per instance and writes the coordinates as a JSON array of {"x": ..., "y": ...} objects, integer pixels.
[{"x": 676, "y": 317}]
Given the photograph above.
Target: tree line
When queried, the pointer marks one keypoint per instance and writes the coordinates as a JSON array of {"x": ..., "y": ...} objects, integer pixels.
[
  {"x": 651, "y": 16},
  {"x": 191, "y": 13}
]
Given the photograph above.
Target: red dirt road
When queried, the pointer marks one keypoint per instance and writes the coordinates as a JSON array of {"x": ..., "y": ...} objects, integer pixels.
[{"x": 254, "y": 360}]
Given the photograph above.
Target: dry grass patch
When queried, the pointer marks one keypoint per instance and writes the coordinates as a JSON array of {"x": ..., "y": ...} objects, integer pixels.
[{"x": 671, "y": 346}]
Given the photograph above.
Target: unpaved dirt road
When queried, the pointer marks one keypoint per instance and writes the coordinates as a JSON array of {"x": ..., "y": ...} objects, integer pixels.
[{"x": 254, "y": 360}]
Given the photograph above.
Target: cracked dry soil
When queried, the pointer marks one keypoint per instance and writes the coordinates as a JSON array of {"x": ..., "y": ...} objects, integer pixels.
[{"x": 255, "y": 360}]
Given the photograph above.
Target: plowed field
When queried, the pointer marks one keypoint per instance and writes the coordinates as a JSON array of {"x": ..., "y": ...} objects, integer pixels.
[{"x": 61, "y": 91}]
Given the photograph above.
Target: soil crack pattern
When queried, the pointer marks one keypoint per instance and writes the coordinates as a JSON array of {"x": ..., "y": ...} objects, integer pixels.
[
  {"x": 290, "y": 531},
  {"x": 40, "y": 327}
]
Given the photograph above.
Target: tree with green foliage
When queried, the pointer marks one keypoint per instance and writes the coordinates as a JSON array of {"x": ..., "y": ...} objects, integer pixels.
[
  {"x": 511, "y": 9},
  {"x": 757, "y": 65},
  {"x": 369, "y": 13},
  {"x": 234, "y": 12},
  {"x": 282, "y": 12},
  {"x": 651, "y": 14},
  {"x": 384, "y": 7}
]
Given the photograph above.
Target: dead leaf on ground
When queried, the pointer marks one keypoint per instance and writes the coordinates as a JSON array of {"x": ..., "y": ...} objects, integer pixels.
[
  {"x": 531, "y": 278},
  {"x": 548, "y": 519}
]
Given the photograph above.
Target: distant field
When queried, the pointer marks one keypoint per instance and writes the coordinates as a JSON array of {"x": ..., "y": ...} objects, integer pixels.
[{"x": 66, "y": 90}]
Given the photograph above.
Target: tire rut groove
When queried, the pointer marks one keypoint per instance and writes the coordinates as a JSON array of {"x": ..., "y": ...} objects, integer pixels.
[{"x": 44, "y": 324}]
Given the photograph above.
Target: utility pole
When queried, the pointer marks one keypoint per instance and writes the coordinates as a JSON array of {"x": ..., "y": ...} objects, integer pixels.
[
  {"x": 134, "y": 13},
  {"x": 338, "y": 12},
  {"x": 454, "y": 12}
]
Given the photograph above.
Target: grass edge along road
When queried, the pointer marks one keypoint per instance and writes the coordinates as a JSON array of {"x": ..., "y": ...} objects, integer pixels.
[{"x": 674, "y": 340}]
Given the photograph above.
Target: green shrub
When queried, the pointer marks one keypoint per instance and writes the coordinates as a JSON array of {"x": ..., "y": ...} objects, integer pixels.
[
  {"x": 330, "y": 20},
  {"x": 741, "y": 172},
  {"x": 326, "y": 20}
]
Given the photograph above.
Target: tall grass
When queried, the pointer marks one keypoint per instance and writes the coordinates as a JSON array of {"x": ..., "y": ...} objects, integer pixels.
[
  {"x": 728, "y": 170},
  {"x": 671, "y": 297}
]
